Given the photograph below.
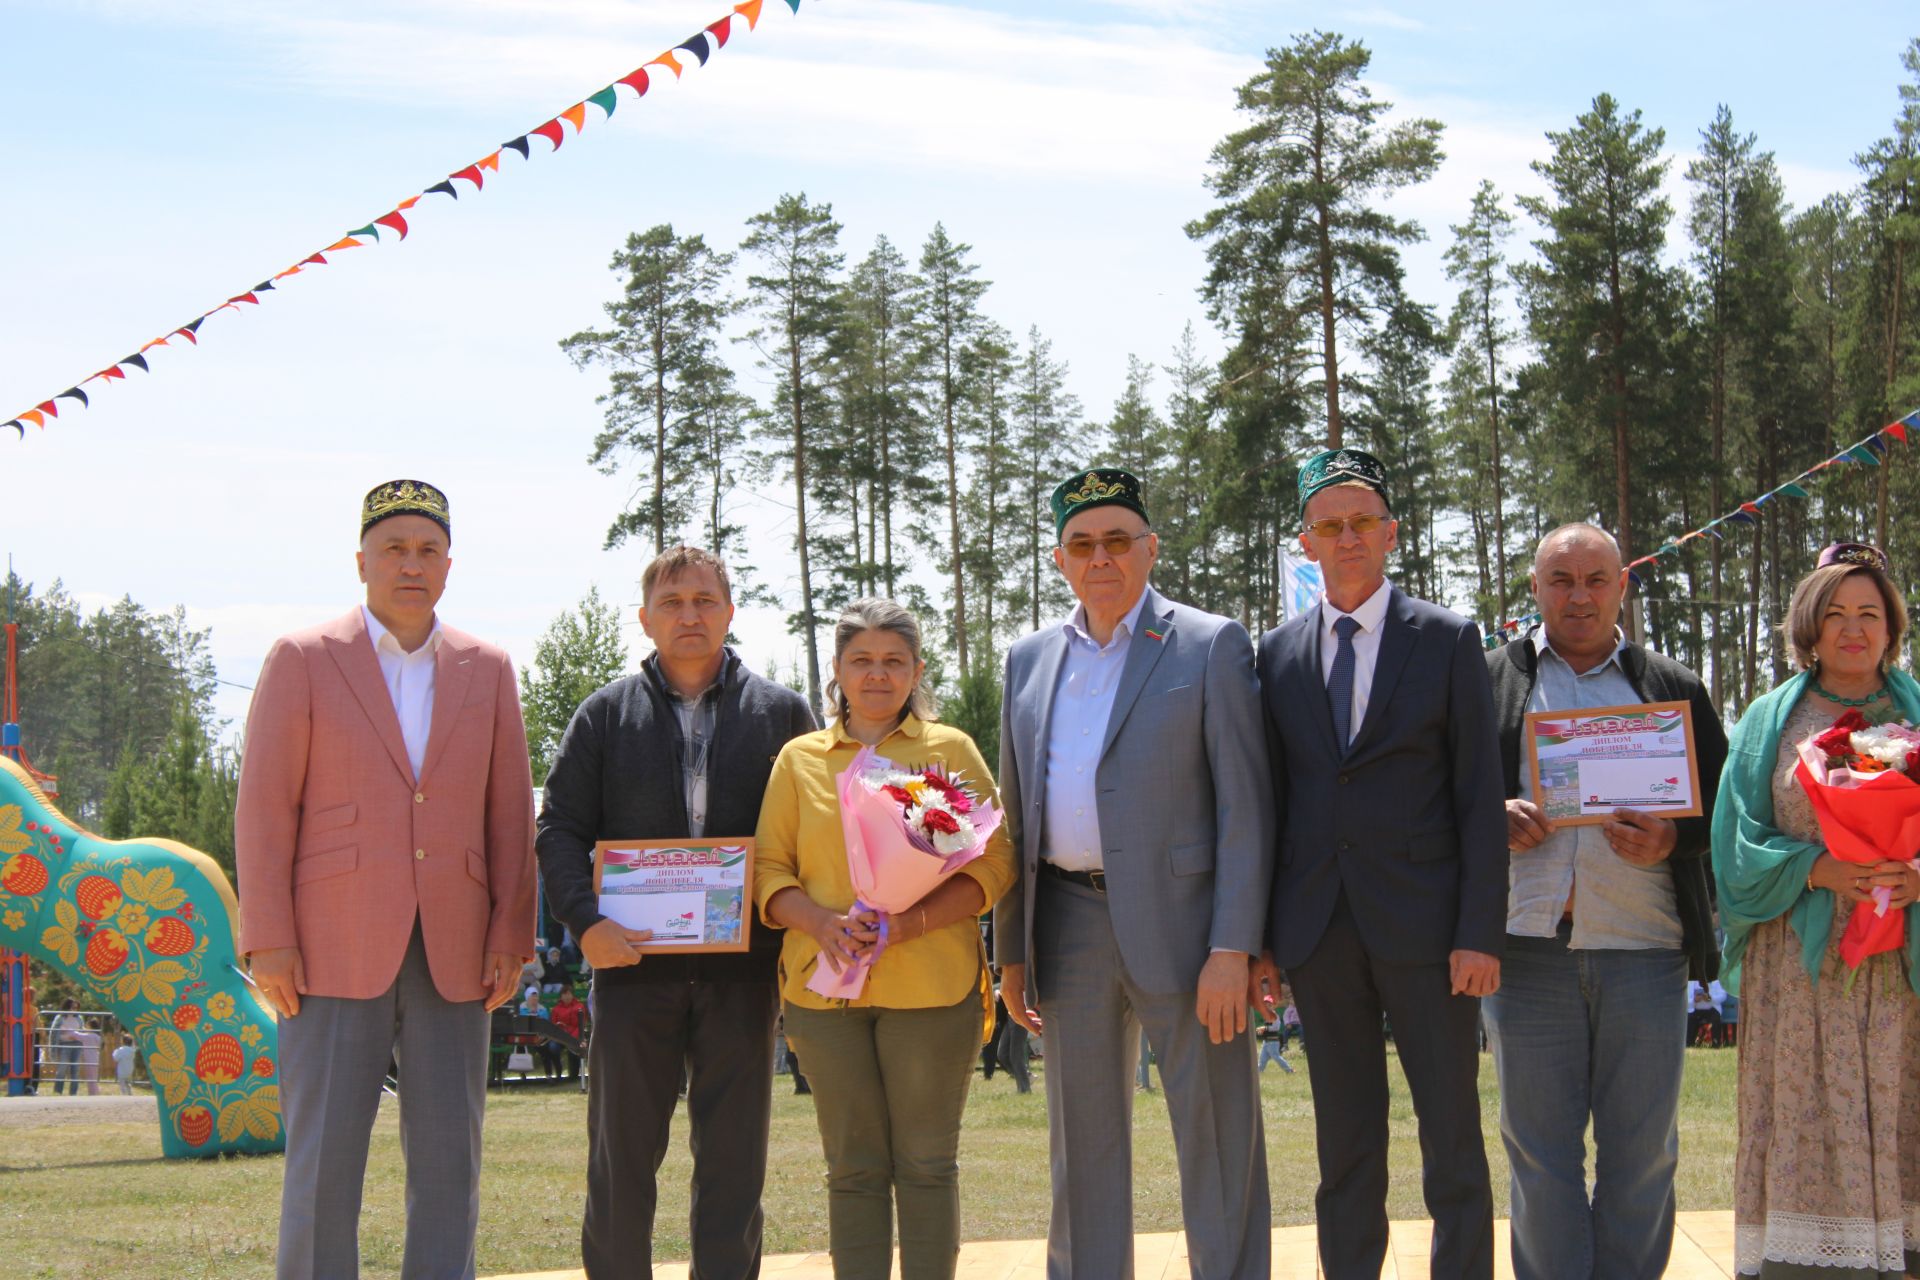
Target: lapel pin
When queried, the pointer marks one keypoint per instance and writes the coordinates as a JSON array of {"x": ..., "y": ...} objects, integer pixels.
[{"x": 1157, "y": 635}]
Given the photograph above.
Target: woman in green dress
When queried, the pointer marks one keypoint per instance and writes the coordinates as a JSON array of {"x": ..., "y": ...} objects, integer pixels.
[{"x": 1827, "y": 1179}]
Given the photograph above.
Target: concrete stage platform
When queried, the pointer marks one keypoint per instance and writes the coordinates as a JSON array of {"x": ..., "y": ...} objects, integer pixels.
[{"x": 1702, "y": 1250}]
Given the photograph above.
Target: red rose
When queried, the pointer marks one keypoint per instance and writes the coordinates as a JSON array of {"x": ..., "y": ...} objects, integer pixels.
[
  {"x": 1838, "y": 741},
  {"x": 897, "y": 794},
  {"x": 941, "y": 821},
  {"x": 1913, "y": 763},
  {"x": 960, "y": 800}
]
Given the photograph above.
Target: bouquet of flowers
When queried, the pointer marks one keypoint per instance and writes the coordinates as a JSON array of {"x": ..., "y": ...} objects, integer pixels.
[
  {"x": 906, "y": 832},
  {"x": 1864, "y": 783}
]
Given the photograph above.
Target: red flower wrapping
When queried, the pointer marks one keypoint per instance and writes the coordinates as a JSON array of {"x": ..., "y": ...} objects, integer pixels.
[{"x": 1864, "y": 823}]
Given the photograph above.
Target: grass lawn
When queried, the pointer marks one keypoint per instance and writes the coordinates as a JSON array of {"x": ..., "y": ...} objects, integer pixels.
[{"x": 96, "y": 1199}]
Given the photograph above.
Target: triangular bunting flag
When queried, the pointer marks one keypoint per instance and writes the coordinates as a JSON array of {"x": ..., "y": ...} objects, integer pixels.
[
  {"x": 290, "y": 271},
  {"x": 1860, "y": 453},
  {"x": 442, "y": 187},
  {"x": 695, "y": 45},
  {"x": 1912, "y": 419},
  {"x": 34, "y": 416},
  {"x": 1750, "y": 507},
  {"x": 606, "y": 99},
  {"x": 576, "y": 115},
  {"x": 75, "y": 393},
  {"x": 750, "y": 10},
  {"x": 244, "y": 297},
  {"x": 368, "y": 230},
  {"x": 187, "y": 331},
  {"x": 411, "y": 201},
  {"x": 491, "y": 163},
  {"x": 1898, "y": 430},
  {"x": 395, "y": 221},
  {"x": 1875, "y": 443},
  {"x": 263, "y": 286},
  {"x": 346, "y": 242},
  {"x": 49, "y": 408},
  {"x": 637, "y": 81},
  {"x": 313, "y": 259},
  {"x": 472, "y": 174},
  {"x": 720, "y": 31},
  {"x": 157, "y": 342},
  {"x": 518, "y": 144},
  {"x": 672, "y": 63},
  {"x": 1741, "y": 517},
  {"x": 552, "y": 132},
  {"x": 794, "y": 5},
  {"x": 15, "y": 424},
  {"x": 1794, "y": 491},
  {"x": 111, "y": 372},
  {"x": 136, "y": 359}
]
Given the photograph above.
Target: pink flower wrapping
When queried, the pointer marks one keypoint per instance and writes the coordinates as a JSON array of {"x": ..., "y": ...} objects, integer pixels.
[{"x": 891, "y": 866}]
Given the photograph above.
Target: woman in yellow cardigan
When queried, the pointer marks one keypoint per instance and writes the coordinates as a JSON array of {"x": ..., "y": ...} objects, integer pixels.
[{"x": 889, "y": 1069}]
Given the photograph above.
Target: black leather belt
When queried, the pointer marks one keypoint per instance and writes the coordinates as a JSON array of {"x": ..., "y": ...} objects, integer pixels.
[{"x": 1094, "y": 880}]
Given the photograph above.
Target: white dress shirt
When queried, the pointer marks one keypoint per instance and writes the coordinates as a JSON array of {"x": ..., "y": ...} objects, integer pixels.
[
  {"x": 409, "y": 678},
  {"x": 1082, "y": 704},
  {"x": 1366, "y": 647}
]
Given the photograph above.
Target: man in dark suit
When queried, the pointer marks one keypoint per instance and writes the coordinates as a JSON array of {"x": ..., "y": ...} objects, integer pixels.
[{"x": 1391, "y": 890}]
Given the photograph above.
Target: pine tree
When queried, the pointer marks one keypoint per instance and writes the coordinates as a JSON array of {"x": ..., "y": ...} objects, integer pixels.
[
  {"x": 1047, "y": 435},
  {"x": 660, "y": 348},
  {"x": 796, "y": 244},
  {"x": 948, "y": 302},
  {"x": 1597, "y": 300},
  {"x": 1481, "y": 339},
  {"x": 1294, "y": 190}
]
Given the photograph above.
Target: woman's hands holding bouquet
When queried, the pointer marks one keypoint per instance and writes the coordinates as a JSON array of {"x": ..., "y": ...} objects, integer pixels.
[
  {"x": 1856, "y": 882},
  {"x": 843, "y": 936}
]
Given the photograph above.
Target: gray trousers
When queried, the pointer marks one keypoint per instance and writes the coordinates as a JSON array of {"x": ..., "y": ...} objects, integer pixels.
[
  {"x": 333, "y": 1062},
  {"x": 1094, "y": 1013}
]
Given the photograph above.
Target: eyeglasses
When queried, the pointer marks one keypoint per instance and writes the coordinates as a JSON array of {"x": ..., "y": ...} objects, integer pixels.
[
  {"x": 1114, "y": 544},
  {"x": 1331, "y": 528}
]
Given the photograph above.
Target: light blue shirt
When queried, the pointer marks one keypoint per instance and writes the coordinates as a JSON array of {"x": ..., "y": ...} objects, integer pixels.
[
  {"x": 1619, "y": 906},
  {"x": 1082, "y": 704}
]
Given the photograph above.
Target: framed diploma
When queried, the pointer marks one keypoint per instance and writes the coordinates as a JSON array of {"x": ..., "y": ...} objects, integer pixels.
[
  {"x": 695, "y": 895},
  {"x": 1585, "y": 764}
]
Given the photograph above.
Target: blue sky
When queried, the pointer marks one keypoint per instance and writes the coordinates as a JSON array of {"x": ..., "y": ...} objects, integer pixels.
[{"x": 163, "y": 155}]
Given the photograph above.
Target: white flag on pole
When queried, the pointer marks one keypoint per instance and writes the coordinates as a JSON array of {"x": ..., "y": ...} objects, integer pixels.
[{"x": 1300, "y": 585}]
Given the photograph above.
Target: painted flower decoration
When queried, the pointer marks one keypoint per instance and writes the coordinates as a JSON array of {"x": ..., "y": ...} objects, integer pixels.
[
  {"x": 220, "y": 1005},
  {"x": 133, "y": 918},
  {"x": 250, "y": 1034},
  {"x": 12, "y": 838},
  {"x": 13, "y": 921}
]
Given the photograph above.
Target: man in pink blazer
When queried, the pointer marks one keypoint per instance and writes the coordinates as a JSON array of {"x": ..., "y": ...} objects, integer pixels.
[{"x": 384, "y": 841}]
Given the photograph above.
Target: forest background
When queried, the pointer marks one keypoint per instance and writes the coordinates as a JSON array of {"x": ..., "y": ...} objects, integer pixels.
[{"x": 1646, "y": 336}]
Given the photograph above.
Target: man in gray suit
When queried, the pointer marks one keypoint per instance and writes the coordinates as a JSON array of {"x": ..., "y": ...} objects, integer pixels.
[{"x": 1133, "y": 774}]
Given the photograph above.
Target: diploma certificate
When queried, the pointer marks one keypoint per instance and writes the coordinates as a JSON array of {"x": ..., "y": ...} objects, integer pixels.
[
  {"x": 1585, "y": 764},
  {"x": 695, "y": 895}
]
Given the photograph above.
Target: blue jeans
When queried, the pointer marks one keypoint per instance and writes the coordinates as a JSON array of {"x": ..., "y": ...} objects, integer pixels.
[{"x": 1579, "y": 1033}]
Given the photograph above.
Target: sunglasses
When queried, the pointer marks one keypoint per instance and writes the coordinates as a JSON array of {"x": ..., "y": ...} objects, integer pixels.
[
  {"x": 1114, "y": 544},
  {"x": 1331, "y": 528}
]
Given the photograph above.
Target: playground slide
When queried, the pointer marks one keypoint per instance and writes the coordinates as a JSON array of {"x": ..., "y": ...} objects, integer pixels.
[{"x": 148, "y": 929}]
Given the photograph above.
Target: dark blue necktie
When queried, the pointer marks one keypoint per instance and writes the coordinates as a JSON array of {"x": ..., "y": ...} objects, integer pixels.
[{"x": 1340, "y": 682}]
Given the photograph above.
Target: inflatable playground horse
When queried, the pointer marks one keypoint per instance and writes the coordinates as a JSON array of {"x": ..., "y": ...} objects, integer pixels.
[{"x": 147, "y": 928}]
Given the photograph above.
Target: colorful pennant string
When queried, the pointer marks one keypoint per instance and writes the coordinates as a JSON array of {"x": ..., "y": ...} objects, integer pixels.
[
  {"x": 701, "y": 45},
  {"x": 1861, "y": 453}
]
